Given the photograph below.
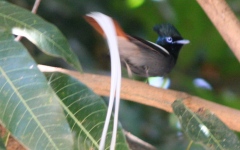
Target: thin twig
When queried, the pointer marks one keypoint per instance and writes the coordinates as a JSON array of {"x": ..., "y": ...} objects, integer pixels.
[
  {"x": 144, "y": 94},
  {"x": 137, "y": 144},
  {"x": 34, "y": 11},
  {"x": 35, "y": 6}
]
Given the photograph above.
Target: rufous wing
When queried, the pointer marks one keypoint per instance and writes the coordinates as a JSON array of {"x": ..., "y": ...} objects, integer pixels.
[{"x": 97, "y": 27}]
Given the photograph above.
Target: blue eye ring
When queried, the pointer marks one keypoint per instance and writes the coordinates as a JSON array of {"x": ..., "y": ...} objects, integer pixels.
[{"x": 169, "y": 39}]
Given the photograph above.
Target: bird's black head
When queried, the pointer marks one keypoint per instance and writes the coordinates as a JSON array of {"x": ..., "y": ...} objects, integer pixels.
[{"x": 170, "y": 39}]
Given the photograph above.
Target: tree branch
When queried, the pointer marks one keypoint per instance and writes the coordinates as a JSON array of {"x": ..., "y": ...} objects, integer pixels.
[
  {"x": 144, "y": 94},
  {"x": 225, "y": 21}
]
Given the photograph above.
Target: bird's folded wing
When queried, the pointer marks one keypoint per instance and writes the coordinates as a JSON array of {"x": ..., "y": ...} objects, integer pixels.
[{"x": 147, "y": 45}]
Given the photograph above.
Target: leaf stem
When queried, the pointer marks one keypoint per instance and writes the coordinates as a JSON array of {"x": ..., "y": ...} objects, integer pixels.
[{"x": 189, "y": 145}]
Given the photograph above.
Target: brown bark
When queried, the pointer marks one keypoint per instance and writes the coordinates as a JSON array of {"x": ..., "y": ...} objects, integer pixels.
[
  {"x": 225, "y": 22},
  {"x": 144, "y": 94}
]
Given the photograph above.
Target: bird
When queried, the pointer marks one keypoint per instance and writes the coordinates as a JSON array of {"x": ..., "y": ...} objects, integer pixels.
[{"x": 145, "y": 58}]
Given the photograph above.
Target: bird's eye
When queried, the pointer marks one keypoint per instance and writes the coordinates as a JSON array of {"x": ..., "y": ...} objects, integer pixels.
[{"x": 169, "y": 39}]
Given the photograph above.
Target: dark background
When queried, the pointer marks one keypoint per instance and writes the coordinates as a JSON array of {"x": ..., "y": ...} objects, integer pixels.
[{"x": 207, "y": 56}]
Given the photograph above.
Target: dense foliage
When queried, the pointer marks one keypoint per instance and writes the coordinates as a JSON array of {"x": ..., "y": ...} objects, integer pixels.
[{"x": 206, "y": 57}]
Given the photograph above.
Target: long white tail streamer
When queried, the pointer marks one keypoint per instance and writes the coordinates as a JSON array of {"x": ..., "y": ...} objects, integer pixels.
[{"x": 107, "y": 26}]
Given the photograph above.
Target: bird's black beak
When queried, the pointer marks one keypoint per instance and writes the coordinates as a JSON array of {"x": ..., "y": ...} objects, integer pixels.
[{"x": 184, "y": 41}]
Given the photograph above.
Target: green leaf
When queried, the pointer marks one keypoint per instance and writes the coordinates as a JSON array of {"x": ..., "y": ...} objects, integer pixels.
[
  {"x": 43, "y": 34},
  {"x": 85, "y": 112},
  {"x": 2, "y": 146},
  {"x": 29, "y": 108},
  {"x": 205, "y": 128}
]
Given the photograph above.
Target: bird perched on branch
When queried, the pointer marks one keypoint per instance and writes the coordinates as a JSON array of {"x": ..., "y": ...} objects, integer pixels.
[{"x": 145, "y": 58}]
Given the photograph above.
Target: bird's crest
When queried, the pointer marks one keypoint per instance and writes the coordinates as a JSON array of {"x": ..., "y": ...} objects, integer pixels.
[{"x": 165, "y": 30}]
